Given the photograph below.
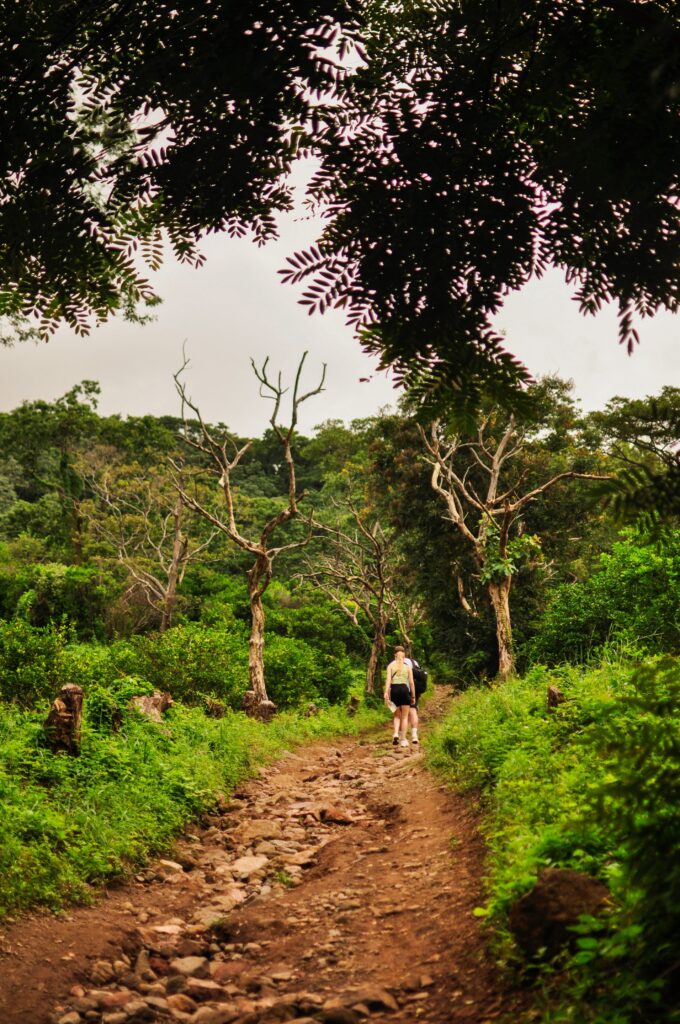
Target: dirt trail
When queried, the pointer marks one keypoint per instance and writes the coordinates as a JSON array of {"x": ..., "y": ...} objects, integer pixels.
[{"x": 343, "y": 880}]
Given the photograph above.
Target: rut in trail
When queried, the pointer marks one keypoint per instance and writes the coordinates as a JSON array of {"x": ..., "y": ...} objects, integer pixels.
[{"x": 343, "y": 881}]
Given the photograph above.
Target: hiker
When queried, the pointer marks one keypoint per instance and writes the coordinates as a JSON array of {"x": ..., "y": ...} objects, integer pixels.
[
  {"x": 420, "y": 683},
  {"x": 400, "y": 692}
]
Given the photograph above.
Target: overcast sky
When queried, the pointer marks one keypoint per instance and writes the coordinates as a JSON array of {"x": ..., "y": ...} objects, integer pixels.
[{"x": 235, "y": 308}]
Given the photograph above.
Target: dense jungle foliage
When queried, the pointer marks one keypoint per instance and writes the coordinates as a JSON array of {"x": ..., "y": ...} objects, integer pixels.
[{"x": 94, "y": 592}]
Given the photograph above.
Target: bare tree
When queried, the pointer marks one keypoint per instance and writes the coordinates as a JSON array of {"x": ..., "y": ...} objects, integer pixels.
[
  {"x": 489, "y": 521},
  {"x": 225, "y": 455},
  {"x": 141, "y": 516},
  {"x": 357, "y": 574}
]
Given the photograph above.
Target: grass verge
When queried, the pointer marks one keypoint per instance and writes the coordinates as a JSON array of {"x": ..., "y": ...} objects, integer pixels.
[{"x": 593, "y": 786}]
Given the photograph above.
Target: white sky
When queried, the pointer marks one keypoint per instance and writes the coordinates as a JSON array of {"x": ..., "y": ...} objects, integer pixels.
[{"x": 235, "y": 307}]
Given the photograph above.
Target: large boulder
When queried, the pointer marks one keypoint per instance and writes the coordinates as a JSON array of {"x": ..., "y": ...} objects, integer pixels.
[{"x": 540, "y": 920}]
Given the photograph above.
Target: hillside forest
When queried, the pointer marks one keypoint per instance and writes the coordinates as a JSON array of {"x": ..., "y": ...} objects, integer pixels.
[{"x": 166, "y": 554}]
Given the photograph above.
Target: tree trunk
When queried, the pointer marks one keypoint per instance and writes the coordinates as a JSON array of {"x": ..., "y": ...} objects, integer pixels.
[
  {"x": 258, "y": 580},
  {"x": 377, "y": 651},
  {"x": 179, "y": 550},
  {"x": 499, "y": 594}
]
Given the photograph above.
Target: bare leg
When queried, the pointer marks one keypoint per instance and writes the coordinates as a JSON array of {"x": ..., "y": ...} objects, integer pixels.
[
  {"x": 413, "y": 718},
  {"x": 404, "y": 723},
  {"x": 396, "y": 723}
]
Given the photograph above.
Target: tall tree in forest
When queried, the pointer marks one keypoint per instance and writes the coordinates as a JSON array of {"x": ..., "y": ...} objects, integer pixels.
[
  {"x": 356, "y": 570},
  {"x": 224, "y": 455},
  {"x": 47, "y": 439},
  {"x": 643, "y": 435},
  {"x": 139, "y": 515},
  {"x": 481, "y": 487}
]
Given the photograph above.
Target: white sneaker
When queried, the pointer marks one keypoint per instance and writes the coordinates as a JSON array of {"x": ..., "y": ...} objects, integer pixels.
[{"x": 403, "y": 743}]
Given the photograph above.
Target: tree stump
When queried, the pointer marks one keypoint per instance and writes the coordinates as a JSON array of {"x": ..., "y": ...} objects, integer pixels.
[
  {"x": 353, "y": 705},
  {"x": 214, "y": 708},
  {"x": 263, "y": 710},
  {"x": 62, "y": 725},
  {"x": 555, "y": 698},
  {"x": 153, "y": 706}
]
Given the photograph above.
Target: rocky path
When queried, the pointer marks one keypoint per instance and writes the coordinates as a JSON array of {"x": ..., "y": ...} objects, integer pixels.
[{"x": 335, "y": 888}]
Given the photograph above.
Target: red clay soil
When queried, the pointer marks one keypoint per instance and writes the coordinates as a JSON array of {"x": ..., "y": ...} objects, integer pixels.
[{"x": 362, "y": 908}]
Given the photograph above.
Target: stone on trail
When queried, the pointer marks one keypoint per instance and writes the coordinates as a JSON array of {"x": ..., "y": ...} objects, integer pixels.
[
  {"x": 248, "y": 865},
  {"x": 70, "y": 1018},
  {"x": 203, "y": 989},
  {"x": 375, "y": 998},
  {"x": 137, "y": 1010},
  {"x": 102, "y": 972},
  {"x": 182, "y": 1002},
  {"x": 190, "y": 966},
  {"x": 106, "y": 1000},
  {"x": 171, "y": 865},
  {"x": 334, "y": 815},
  {"x": 258, "y": 829},
  {"x": 216, "y": 1015},
  {"x": 167, "y": 929},
  {"x": 220, "y": 971}
]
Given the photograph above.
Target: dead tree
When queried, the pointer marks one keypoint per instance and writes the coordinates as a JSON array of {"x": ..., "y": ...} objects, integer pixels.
[
  {"x": 356, "y": 574},
  {"x": 142, "y": 517},
  {"x": 487, "y": 520},
  {"x": 225, "y": 455}
]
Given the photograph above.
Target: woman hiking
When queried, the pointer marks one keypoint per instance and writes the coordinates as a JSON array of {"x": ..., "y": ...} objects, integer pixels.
[{"x": 400, "y": 691}]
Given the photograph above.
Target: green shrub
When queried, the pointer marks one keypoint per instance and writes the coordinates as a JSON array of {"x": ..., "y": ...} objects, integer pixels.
[
  {"x": 29, "y": 662},
  {"x": 107, "y": 706},
  {"x": 191, "y": 660},
  {"x": 595, "y": 786},
  {"x": 638, "y": 800},
  {"x": 42, "y": 594},
  {"x": 633, "y": 596},
  {"x": 290, "y": 671}
]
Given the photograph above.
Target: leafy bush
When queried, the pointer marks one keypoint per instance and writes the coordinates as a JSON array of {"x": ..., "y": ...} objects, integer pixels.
[
  {"x": 633, "y": 595},
  {"x": 593, "y": 785},
  {"x": 29, "y": 662},
  {"x": 296, "y": 672},
  {"x": 190, "y": 661},
  {"x": 290, "y": 671},
  {"x": 107, "y": 706},
  {"x": 41, "y": 594},
  {"x": 638, "y": 799}
]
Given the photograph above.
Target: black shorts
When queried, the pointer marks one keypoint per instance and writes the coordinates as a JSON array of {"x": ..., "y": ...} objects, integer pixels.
[{"x": 400, "y": 694}]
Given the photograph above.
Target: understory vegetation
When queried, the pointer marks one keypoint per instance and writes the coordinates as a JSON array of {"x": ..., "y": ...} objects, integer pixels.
[{"x": 592, "y": 785}]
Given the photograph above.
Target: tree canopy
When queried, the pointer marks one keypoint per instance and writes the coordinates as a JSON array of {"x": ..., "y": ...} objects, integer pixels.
[{"x": 463, "y": 148}]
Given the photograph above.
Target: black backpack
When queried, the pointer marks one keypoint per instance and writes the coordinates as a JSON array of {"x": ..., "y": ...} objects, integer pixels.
[{"x": 419, "y": 678}]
